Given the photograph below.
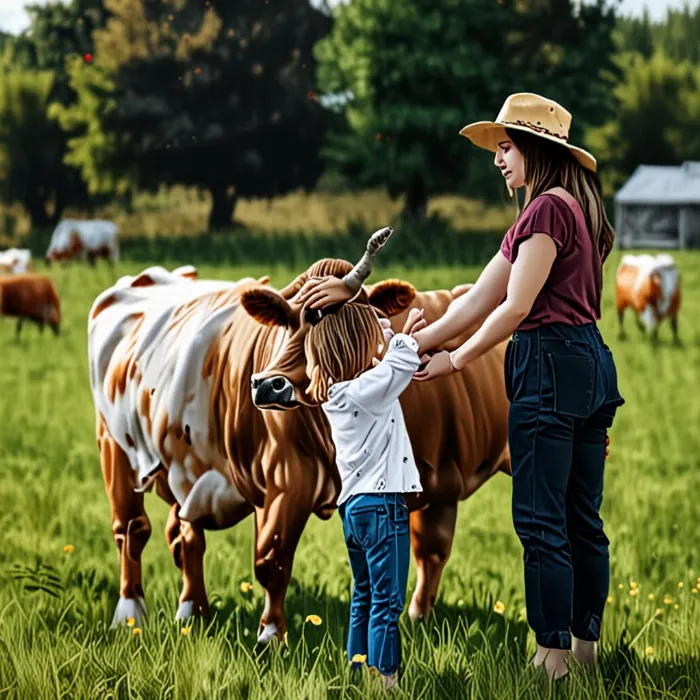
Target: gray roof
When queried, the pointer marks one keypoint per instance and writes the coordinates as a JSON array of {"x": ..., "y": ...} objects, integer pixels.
[{"x": 662, "y": 184}]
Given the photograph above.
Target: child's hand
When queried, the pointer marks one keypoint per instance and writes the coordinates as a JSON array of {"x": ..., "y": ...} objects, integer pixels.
[
  {"x": 385, "y": 323},
  {"x": 319, "y": 292},
  {"x": 414, "y": 322}
]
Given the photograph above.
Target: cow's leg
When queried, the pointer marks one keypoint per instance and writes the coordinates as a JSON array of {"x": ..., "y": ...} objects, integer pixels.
[
  {"x": 674, "y": 329},
  {"x": 620, "y": 317},
  {"x": 19, "y": 326},
  {"x": 130, "y": 527},
  {"x": 278, "y": 526},
  {"x": 432, "y": 531},
  {"x": 187, "y": 545}
]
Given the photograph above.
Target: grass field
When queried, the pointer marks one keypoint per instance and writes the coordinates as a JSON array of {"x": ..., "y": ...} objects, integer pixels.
[{"x": 59, "y": 570}]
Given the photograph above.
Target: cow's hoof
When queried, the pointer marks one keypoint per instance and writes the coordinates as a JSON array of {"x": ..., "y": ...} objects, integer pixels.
[
  {"x": 415, "y": 613},
  {"x": 268, "y": 634},
  {"x": 185, "y": 610},
  {"x": 129, "y": 609}
]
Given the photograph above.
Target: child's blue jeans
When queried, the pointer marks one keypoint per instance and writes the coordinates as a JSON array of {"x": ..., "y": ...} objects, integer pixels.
[{"x": 377, "y": 537}]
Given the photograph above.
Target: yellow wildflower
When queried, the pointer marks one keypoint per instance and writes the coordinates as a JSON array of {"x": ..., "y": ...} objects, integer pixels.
[
  {"x": 680, "y": 584},
  {"x": 130, "y": 621},
  {"x": 610, "y": 599},
  {"x": 246, "y": 586},
  {"x": 68, "y": 549},
  {"x": 634, "y": 592},
  {"x": 649, "y": 651},
  {"x": 499, "y": 607},
  {"x": 185, "y": 631},
  {"x": 676, "y": 606},
  {"x": 136, "y": 631},
  {"x": 693, "y": 590},
  {"x": 667, "y": 599},
  {"x": 313, "y": 619},
  {"x": 620, "y": 586},
  {"x": 633, "y": 584},
  {"x": 359, "y": 658},
  {"x": 651, "y": 596},
  {"x": 658, "y": 612}
]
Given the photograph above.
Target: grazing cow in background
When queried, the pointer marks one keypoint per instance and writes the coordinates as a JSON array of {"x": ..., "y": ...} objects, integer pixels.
[
  {"x": 32, "y": 298},
  {"x": 171, "y": 363},
  {"x": 15, "y": 261},
  {"x": 651, "y": 287},
  {"x": 84, "y": 240}
]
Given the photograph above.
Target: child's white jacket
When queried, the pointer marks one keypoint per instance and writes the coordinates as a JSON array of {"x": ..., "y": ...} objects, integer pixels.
[{"x": 373, "y": 451}]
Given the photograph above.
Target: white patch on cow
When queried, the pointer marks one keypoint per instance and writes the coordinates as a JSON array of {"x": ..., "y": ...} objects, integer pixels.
[
  {"x": 16, "y": 261},
  {"x": 185, "y": 610},
  {"x": 268, "y": 633},
  {"x": 129, "y": 608},
  {"x": 169, "y": 350},
  {"x": 93, "y": 235},
  {"x": 212, "y": 495},
  {"x": 648, "y": 317}
]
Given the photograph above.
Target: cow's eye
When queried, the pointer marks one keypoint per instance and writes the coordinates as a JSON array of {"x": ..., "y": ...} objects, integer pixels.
[{"x": 313, "y": 316}]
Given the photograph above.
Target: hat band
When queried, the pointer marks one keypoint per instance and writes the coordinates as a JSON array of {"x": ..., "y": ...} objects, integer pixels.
[{"x": 535, "y": 127}]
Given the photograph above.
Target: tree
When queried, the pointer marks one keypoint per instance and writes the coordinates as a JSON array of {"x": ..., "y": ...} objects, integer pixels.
[
  {"x": 418, "y": 70},
  {"x": 214, "y": 95},
  {"x": 30, "y": 146},
  {"x": 656, "y": 119}
]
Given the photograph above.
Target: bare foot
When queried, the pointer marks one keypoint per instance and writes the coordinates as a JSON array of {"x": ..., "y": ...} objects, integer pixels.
[
  {"x": 553, "y": 660},
  {"x": 586, "y": 653}
]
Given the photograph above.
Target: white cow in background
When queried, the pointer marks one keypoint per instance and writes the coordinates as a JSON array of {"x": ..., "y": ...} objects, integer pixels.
[
  {"x": 15, "y": 261},
  {"x": 87, "y": 240}
]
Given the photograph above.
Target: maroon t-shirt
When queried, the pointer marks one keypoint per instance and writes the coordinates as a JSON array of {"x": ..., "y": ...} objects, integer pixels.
[{"x": 571, "y": 293}]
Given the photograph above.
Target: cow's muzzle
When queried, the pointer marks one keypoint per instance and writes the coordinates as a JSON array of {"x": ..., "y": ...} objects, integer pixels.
[{"x": 273, "y": 392}]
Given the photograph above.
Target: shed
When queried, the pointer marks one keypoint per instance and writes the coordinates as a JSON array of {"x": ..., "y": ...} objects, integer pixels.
[{"x": 659, "y": 207}]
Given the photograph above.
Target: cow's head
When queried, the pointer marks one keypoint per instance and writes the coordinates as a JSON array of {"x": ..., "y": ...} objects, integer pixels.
[{"x": 317, "y": 352}]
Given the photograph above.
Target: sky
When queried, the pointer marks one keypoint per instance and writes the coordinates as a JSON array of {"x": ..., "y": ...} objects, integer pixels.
[{"x": 14, "y": 19}]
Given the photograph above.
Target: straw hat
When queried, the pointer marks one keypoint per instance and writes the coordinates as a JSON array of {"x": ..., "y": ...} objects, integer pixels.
[{"x": 535, "y": 114}]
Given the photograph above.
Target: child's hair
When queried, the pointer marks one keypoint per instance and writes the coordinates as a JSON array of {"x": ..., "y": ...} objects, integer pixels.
[{"x": 341, "y": 346}]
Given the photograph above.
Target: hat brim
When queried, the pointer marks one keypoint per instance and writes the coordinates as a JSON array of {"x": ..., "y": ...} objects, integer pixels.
[{"x": 488, "y": 135}]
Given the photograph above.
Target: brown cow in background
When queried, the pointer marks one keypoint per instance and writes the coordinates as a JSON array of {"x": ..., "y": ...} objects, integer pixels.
[
  {"x": 171, "y": 364},
  {"x": 30, "y": 297}
]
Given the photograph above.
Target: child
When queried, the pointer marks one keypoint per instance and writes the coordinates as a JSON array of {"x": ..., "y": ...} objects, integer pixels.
[{"x": 360, "y": 397}]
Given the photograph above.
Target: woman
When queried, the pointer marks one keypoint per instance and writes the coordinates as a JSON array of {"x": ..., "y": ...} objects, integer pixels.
[{"x": 560, "y": 376}]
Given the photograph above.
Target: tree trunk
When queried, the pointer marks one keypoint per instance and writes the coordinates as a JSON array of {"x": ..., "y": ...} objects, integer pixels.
[
  {"x": 416, "y": 202},
  {"x": 36, "y": 208},
  {"x": 223, "y": 204}
]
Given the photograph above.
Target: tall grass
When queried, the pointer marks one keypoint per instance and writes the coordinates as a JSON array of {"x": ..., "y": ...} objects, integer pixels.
[{"x": 56, "y": 606}]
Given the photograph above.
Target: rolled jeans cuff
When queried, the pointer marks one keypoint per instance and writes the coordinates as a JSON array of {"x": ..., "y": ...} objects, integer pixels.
[{"x": 554, "y": 640}]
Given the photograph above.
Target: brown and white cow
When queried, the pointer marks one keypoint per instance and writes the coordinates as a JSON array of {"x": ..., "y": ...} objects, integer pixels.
[
  {"x": 650, "y": 286},
  {"x": 30, "y": 297},
  {"x": 74, "y": 239},
  {"x": 171, "y": 364}
]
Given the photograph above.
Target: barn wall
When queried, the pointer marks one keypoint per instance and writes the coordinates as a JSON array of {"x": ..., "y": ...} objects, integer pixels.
[
  {"x": 649, "y": 226},
  {"x": 690, "y": 226}
]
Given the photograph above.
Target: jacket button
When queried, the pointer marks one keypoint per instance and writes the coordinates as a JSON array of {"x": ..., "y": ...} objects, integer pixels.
[
  {"x": 354, "y": 413},
  {"x": 405, "y": 459}
]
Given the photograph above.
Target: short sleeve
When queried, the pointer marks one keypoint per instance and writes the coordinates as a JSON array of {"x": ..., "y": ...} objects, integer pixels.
[{"x": 544, "y": 215}]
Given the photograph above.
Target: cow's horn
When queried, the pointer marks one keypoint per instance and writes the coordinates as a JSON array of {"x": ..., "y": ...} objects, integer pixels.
[{"x": 361, "y": 271}]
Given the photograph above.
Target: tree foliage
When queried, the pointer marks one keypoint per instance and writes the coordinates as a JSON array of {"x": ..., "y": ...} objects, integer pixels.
[
  {"x": 213, "y": 94},
  {"x": 656, "y": 120},
  {"x": 418, "y": 71}
]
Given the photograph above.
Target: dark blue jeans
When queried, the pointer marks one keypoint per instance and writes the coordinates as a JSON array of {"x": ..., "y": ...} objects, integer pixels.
[
  {"x": 377, "y": 538},
  {"x": 562, "y": 384}
]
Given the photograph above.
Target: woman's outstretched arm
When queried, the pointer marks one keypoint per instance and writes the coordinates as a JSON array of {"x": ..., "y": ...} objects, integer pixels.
[{"x": 471, "y": 308}]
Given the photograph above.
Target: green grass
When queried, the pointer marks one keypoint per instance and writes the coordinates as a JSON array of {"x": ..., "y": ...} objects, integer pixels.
[{"x": 56, "y": 607}]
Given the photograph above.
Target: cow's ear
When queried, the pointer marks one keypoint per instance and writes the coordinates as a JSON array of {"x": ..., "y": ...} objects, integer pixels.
[
  {"x": 267, "y": 307},
  {"x": 392, "y": 296}
]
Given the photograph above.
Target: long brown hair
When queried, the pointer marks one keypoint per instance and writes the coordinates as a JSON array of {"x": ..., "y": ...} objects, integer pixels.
[
  {"x": 548, "y": 165},
  {"x": 341, "y": 346}
]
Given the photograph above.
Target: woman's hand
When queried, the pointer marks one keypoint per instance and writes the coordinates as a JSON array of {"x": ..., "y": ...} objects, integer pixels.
[
  {"x": 319, "y": 292},
  {"x": 440, "y": 365}
]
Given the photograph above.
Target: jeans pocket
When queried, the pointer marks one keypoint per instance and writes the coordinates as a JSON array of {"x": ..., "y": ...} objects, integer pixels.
[
  {"x": 572, "y": 374},
  {"x": 365, "y": 524}
]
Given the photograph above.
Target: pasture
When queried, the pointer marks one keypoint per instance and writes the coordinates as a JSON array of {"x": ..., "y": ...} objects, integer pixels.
[{"x": 59, "y": 567}]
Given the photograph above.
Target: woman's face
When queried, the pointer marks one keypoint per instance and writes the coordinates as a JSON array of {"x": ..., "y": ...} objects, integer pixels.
[{"x": 509, "y": 160}]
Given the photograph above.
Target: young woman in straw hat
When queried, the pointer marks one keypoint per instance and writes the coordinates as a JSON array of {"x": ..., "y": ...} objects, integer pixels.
[{"x": 543, "y": 291}]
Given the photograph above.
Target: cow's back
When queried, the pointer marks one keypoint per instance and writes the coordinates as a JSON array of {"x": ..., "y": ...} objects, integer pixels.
[{"x": 458, "y": 424}]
